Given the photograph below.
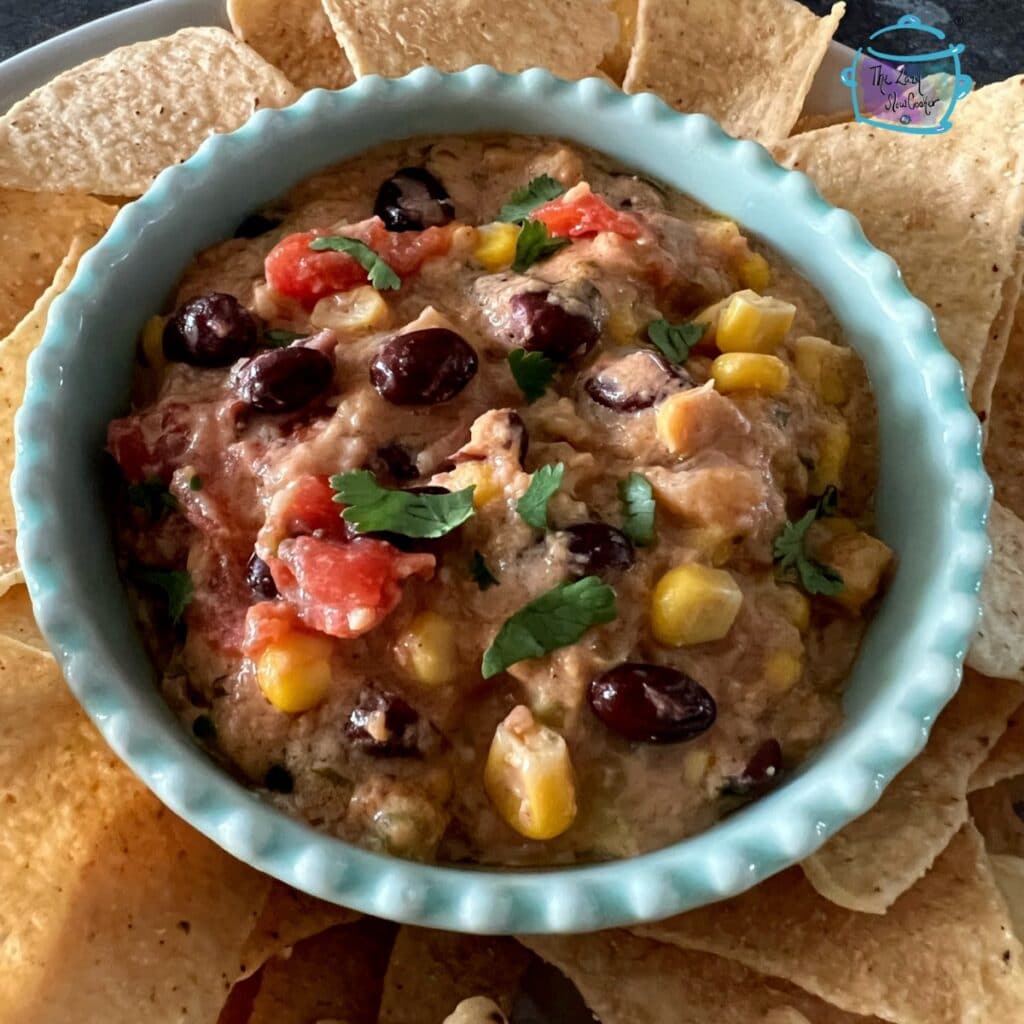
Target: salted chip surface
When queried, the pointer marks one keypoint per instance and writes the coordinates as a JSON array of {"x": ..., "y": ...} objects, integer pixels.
[
  {"x": 430, "y": 972},
  {"x": 970, "y": 203},
  {"x": 392, "y": 37},
  {"x": 17, "y": 621},
  {"x": 1009, "y": 875},
  {"x": 36, "y": 231},
  {"x": 625, "y": 979},
  {"x": 295, "y": 36},
  {"x": 1005, "y": 759},
  {"x": 1004, "y": 450},
  {"x": 996, "y": 351},
  {"x": 747, "y": 63},
  {"x": 943, "y": 952},
  {"x": 109, "y": 126},
  {"x": 876, "y": 858},
  {"x": 998, "y": 814},
  {"x": 998, "y": 649},
  {"x": 111, "y": 903}
]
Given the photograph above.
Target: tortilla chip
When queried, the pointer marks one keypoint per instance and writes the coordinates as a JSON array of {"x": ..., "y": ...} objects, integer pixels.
[
  {"x": 336, "y": 975},
  {"x": 747, "y": 63},
  {"x": 998, "y": 649},
  {"x": 36, "y": 231},
  {"x": 392, "y": 37},
  {"x": 1005, "y": 759},
  {"x": 876, "y": 858},
  {"x": 10, "y": 572},
  {"x": 812, "y": 122},
  {"x": 1004, "y": 457},
  {"x": 998, "y": 814},
  {"x": 288, "y": 916},
  {"x": 943, "y": 952},
  {"x": 14, "y": 352},
  {"x": 110, "y": 903},
  {"x": 296, "y": 36},
  {"x": 625, "y": 979},
  {"x": 970, "y": 204},
  {"x": 615, "y": 63},
  {"x": 109, "y": 126},
  {"x": 994, "y": 355},
  {"x": 430, "y": 973},
  {"x": 1009, "y": 875},
  {"x": 17, "y": 621}
]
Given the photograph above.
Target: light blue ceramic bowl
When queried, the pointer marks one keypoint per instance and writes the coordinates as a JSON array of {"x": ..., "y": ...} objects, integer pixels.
[{"x": 932, "y": 501}]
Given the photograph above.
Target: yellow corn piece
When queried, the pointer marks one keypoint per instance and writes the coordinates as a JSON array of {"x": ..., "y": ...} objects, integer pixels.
[
  {"x": 795, "y": 607},
  {"x": 753, "y": 323},
  {"x": 862, "y": 561},
  {"x": 362, "y": 309},
  {"x": 428, "y": 650},
  {"x": 744, "y": 371},
  {"x": 153, "y": 343},
  {"x": 823, "y": 366},
  {"x": 782, "y": 670},
  {"x": 623, "y": 326},
  {"x": 495, "y": 247},
  {"x": 480, "y": 476},
  {"x": 754, "y": 272},
  {"x": 694, "y": 604},
  {"x": 295, "y": 673},
  {"x": 832, "y": 453},
  {"x": 529, "y": 777}
]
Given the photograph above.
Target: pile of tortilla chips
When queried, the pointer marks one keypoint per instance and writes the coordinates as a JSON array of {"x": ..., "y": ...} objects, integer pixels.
[{"x": 112, "y": 910}]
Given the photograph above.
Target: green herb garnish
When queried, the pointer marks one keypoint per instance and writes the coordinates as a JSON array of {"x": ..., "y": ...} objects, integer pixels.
[
  {"x": 281, "y": 338},
  {"x": 481, "y": 573},
  {"x": 175, "y": 586},
  {"x": 674, "y": 341},
  {"x": 533, "y": 372},
  {"x": 791, "y": 553},
  {"x": 382, "y": 277},
  {"x": 525, "y": 200},
  {"x": 195, "y": 482},
  {"x": 153, "y": 497},
  {"x": 372, "y": 508},
  {"x": 637, "y": 497},
  {"x": 533, "y": 505},
  {"x": 535, "y": 244},
  {"x": 555, "y": 619}
]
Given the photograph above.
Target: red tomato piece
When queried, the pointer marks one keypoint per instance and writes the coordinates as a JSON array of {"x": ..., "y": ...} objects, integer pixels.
[
  {"x": 266, "y": 623},
  {"x": 312, "y": 509},
  {"x": 152, "y": 444},
  {"x": 587, "y": 215},
  {"x": 344, "y": 590}
]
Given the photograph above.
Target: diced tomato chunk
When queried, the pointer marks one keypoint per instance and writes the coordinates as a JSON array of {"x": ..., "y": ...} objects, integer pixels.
[
  {"x": 312, "y": 509},
  {"x": 585, "y": 215},
  {"x": 305, "y": 275},
  {"x": 344, "y": 589},
  {"x": 266, "y": 623},
  {"x": 152, "y": 444}
]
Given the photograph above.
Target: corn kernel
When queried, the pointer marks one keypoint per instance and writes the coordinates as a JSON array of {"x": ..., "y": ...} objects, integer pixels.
[
  {"x": 862, "y": 561},
  {"x": 623, "y": 325},
  {"x": 744, "y": 371},
  {"x": 755, "y": 273},
  {"x": 753, "y": 323},
  {"x": 480, "y": 477},
  {"x": 295, "y": 673},
  {"x": 362, "y": 309},
  {"x": 694, "y": 604},
  {"x": 428, "y": 650},
  {"x": 695, "y": 766},
  {"x": 795, "y": 607},
  {"x": 782, "y": 670},
  {"x": 831, "y": 461},
  {"x": 153, "y": 343},
  {"x": 823, "y": 366},
  {"x": 529, "y": 777},
  {"x": 495, "y": 247}
]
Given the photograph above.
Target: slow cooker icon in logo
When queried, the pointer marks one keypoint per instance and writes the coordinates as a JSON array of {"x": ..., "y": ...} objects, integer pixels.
[{"x": 908, "y": 81}]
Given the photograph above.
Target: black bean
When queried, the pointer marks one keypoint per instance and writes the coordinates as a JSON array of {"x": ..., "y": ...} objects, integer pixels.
[
  {"x": 398, "y": 462},
  {"x": 284, "y": 379},
  {"x": 259, "y": 578},
  {"x": 761, "y": 772},
  {"x": 257, "y": 224},
  {"x": 634, "y": 382},
  {"x": 597, "y": 548},
  {"x": 423, "y": 367},
  {"x": 203, "y": 728},
  {"x": 540, "y": 324},
  {"x": 651, "y": 703},
  {"x": 212, "y": 330},
  {"x": 413, "y": 199},
  {"x": 384, "y": 725},
  {"x": 278, "y": 779}
]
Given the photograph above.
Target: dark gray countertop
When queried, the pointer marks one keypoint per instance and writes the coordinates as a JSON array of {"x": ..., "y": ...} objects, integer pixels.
[{"x": 993, "y": 30}]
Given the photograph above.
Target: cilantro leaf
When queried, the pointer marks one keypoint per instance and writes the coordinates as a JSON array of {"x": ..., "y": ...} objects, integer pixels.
[
  {"x": 533, "y": 372},
  {"x": 535, "y": 244},
  {"x": 372, "y": 507},
  {"x": 153, "y": 497},
  {"x": 382, "y": 277},
  {"x": 637, "y": 497},
  {"x": 482, "y": 575},
  {"x": 175, "y": 586},
  {"x": 553, "y": 620},
  {"x": 674, "y": 341},
  {"x": 526, "y": 199},
  {"x": 790, "y": 550},
  {"x": 195, "y": 482},
  {"x": 281, "y": 339},
  {"x": 533, "y": 505}
]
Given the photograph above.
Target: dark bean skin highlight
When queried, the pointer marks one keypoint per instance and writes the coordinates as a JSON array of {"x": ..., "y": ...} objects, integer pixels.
[
  {"x": 212, "y": 330},
  {"x": 424, "y": 367}
]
